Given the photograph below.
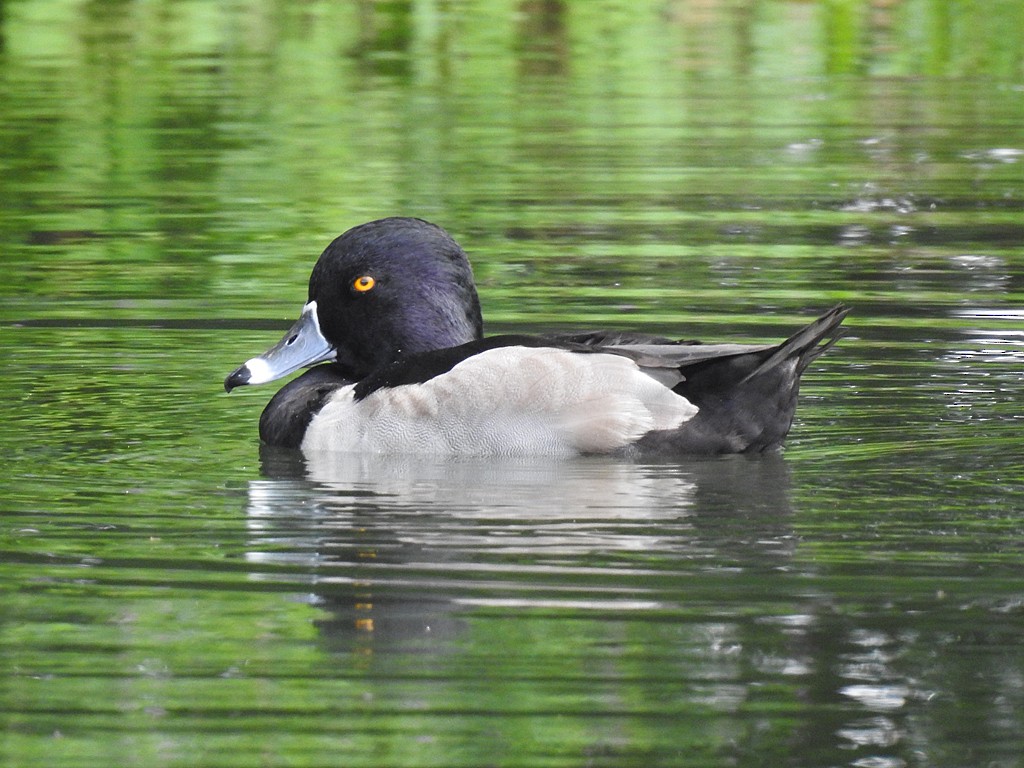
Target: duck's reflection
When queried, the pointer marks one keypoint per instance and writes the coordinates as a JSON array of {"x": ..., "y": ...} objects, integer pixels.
[
  {"x": 397, "y": 548},
  {"x": 676, "y": 582}
]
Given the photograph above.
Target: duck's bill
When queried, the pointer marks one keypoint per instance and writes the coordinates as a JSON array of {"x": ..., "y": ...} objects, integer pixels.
[{"x": 303, "y": 345}]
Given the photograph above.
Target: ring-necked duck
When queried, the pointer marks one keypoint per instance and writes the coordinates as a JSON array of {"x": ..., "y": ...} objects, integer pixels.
[{"x": 394, "y": 314}]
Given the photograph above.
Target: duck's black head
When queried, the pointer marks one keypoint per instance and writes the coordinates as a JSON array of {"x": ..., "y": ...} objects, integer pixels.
[
  {"x": 384, "y": 289},
  {"x": 392, "y": 287}
]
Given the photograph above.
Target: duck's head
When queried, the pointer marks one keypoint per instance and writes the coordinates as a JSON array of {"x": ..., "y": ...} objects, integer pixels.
[{"x": 382, "y": 290}]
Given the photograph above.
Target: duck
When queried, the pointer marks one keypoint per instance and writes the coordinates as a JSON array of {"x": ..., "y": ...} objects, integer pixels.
[{"x": 398, "y": 363}]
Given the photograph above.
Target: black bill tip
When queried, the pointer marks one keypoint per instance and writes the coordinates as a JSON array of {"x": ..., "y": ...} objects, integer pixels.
[{"x": 237, "y": 378}]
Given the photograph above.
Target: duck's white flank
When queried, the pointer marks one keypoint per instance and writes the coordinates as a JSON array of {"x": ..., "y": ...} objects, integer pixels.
[{"x": 509, "y": 400}]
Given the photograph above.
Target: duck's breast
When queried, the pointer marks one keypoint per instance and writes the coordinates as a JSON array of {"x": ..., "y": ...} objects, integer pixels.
[{"x": 505, "y": 401}]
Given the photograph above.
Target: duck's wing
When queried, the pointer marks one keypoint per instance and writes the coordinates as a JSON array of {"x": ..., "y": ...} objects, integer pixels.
[
  {"x": 669, "y": 360},
  {"x": 658, "y": 356},
  {"x": 661, "y": 352},
  {"x": 668, "y": 363},
  {"x": 608, "y": 338}
]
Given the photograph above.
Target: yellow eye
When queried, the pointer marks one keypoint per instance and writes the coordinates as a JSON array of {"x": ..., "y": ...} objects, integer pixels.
[{"x": 363, "y": 283}]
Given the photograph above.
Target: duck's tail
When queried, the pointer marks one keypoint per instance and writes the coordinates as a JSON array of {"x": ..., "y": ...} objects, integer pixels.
[
  {"x": 806, "y": 345},
  {"x": 747, "y": 397}
]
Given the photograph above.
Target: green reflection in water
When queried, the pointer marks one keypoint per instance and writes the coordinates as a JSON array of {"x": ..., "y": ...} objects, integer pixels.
[{"x": 168, "y": 173}]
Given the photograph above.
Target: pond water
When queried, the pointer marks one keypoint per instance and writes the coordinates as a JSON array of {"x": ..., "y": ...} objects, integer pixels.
[{"x": 172, "y": 594}]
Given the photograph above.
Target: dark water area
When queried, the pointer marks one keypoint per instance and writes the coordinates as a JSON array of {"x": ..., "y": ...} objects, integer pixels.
[{"x": 173, "y": 594}]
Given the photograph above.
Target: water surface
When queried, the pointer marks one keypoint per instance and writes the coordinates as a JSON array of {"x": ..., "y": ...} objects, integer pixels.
[{"x": 171, "y": 594}]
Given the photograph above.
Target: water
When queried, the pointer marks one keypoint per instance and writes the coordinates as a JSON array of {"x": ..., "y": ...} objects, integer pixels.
[{"x": 172, "y": 595}]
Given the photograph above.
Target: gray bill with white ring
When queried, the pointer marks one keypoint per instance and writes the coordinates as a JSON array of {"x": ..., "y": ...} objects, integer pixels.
[{"x": 302, "y": 346}]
